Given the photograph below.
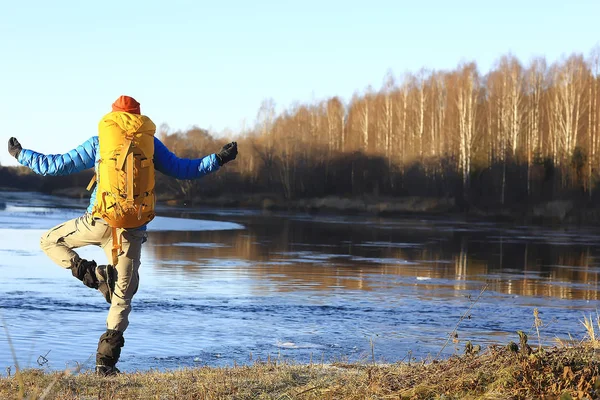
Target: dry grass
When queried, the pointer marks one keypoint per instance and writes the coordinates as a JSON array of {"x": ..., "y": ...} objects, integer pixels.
[
  {"x": 592, "y": 338},
  {"x": 517, "y": 371},
  {"x": 498, "y": 373}
]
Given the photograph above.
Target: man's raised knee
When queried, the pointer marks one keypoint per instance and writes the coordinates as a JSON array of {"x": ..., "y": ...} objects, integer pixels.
[{"x": 45, "y": 244}]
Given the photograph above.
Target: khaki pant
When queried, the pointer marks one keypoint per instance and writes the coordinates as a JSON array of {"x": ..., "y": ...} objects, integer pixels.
[{"x": 58, "y": 243}]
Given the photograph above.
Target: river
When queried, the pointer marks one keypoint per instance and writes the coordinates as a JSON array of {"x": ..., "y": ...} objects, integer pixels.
[{"x": 226, "y": 287}]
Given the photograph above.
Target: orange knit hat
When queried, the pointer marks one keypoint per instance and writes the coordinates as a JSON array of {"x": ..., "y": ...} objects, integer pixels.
[{"x": 127, "y": 104}]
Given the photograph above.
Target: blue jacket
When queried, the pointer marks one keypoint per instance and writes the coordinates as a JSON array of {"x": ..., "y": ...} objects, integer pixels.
[{"x": 86, "y": 156}]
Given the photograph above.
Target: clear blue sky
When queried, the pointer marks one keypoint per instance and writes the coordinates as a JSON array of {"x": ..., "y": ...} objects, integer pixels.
[{"x": 210, "y": 64}]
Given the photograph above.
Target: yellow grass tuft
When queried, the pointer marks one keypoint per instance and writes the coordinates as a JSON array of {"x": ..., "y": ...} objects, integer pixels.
[{"x": 589, "y": 325}]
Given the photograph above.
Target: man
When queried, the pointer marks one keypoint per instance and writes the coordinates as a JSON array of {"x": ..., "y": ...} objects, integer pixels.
[{"x": 119, "y": 282}]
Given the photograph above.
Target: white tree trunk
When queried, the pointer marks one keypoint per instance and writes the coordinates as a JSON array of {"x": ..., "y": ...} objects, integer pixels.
[{"x": 467, "y": 112}]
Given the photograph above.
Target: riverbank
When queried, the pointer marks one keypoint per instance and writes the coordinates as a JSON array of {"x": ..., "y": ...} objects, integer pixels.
[
  {"x": 560, "y": 211},
  {"x": 498, "y": 373}
]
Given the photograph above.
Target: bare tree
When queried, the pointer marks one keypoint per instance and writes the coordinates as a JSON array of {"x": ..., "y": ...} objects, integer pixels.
[
  {"x": 265, "y": 120},
  {"x": 567, "y": 106},
  {"x": 535, "y": 87},
  {"x": 364, "y": 111},
  {"x": 401, "y": 138},
  {"x": 438, "y": 101},
  {"x": 593, "y": 115},
  {"x": 421, "y": 103},
  {"x": 163, "y": 131},
  {"x": 512, "y": 73},
  {"x": 335, "y": 124},
  {"x": 388, "y": 116},
  {"x": 466, "y": 100}
]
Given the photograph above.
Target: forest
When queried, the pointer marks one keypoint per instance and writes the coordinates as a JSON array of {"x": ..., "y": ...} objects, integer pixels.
[{"x": 518, "y": 135}]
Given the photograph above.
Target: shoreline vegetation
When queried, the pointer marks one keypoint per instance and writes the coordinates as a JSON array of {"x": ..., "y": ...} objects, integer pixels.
[
  {"x": 515, "y": 371},
  {"x": 567, "y": 211},
  {"x": 551, "y": 212},
  {"x": 522, "y": 369}
]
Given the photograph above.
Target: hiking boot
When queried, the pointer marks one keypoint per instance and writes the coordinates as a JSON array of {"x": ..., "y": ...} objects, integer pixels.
[
  {"x": 106, "y": 281},
  {"x": 84, "y": 270},
  {"x": 107, "y": 370}
]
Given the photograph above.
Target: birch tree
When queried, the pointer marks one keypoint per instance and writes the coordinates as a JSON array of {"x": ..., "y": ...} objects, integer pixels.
[
  {"x": 512, "y": 73},
  {"x": 535, "y": 78},
  {"x": 593, "y": 115},
  {"x": 401, "y": 111},
  {"x": 265, "y": 121},
  {"x": 388, "y": 117},
  {"x": 365, "y": 119},
  {"x": 335, "y": 124},
  {"x": 419, "y": 110},
  {"x": 567, "y": 107},
  {"x": 362, "y": 119},
  {"x": 438, "y": 100},
  {"x": 466, "y": 99}
]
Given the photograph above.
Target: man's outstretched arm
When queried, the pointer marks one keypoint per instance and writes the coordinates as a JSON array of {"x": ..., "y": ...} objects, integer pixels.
[
  {"x": 76, "y": 160},
  {"x": 183, "y": 168}
]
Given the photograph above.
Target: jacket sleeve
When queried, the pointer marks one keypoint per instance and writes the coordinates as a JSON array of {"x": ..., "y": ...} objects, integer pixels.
[
  {"x": 182, "y": 168},
  {"x": 76, "y": 160}
]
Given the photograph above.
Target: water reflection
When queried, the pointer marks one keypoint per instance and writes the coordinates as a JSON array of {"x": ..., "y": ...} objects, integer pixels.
[{"x": 300, "y": 254}]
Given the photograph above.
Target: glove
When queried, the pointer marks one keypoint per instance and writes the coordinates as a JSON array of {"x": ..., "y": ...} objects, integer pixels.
[
  {"x": 227, "y": 153},
  {"x": 14, "y": 147}
]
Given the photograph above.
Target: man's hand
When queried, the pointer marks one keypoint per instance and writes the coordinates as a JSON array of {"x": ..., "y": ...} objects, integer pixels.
[
  {"x": 227, "y": 153},
  {"x": 14, "y": 147}
]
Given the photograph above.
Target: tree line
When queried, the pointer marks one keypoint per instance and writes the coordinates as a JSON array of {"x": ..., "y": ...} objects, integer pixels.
[{"x": 519, "y": 134}]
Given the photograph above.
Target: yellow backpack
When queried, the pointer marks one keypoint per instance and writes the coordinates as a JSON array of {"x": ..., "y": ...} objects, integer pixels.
[{"x": 125, "y": 173}]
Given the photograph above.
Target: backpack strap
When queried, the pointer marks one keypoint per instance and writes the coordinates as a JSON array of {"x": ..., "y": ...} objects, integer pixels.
[
  {"x": 91, "y": 184},
  {"x": 129, "y": 171},
  {"x": 144, "y": 179},
  {"x": 124, "y": 154},
  {"x": 117, "y": 246}
]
